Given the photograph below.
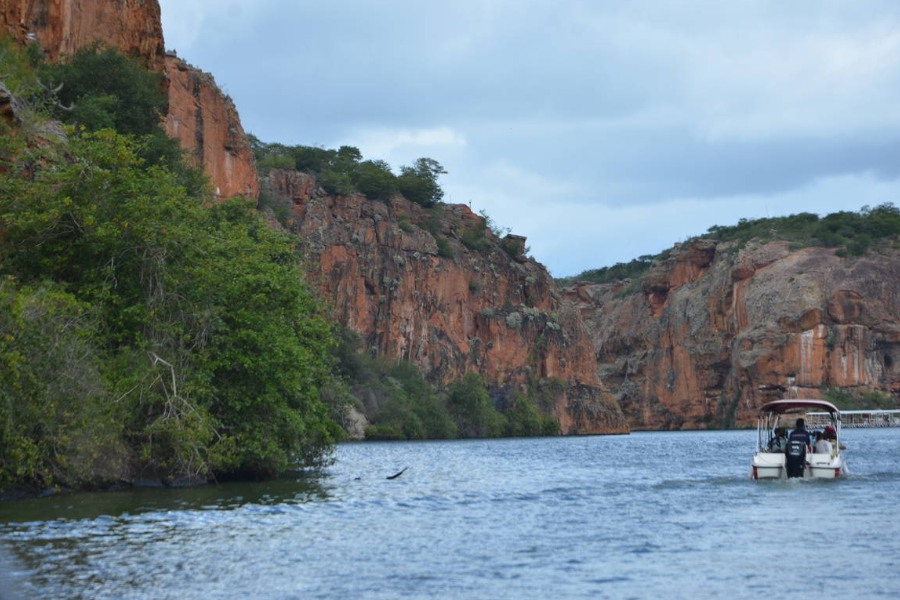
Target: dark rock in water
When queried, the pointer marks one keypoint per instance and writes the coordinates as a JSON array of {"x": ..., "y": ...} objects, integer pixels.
[
  {"x": 148, "y": 483},
  {"x": 186, "y": 482}
]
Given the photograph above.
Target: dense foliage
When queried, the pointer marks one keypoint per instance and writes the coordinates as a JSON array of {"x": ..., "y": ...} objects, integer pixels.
[
  {"x": 858, "y": 399},
  {"x": 343, "y": 171},
  {"x": 403, "y": 406},
  {"x": 99, "y": 88},
  {"x": 146, "y": 332},
  {"x": 852, "y": 233},
  {"x": 142, "y": 332}
]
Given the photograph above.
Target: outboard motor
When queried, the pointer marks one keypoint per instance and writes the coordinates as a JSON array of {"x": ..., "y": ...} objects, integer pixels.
[{"x": 795, "y": 458}]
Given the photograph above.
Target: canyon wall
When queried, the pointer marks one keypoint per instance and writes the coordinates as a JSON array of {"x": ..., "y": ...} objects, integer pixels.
[
  {"x": 715, "y": 330},
  {"x": 208, "y": 127},
  {"x": 204, "y": 119},
  {"x": 437, "y": 288},
  {"x": 63, "y": 26},
  {"x": 397, "y": 274}
]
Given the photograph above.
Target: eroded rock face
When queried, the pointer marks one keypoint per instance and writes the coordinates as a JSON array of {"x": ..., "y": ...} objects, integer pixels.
[
  {"x": 714, "y": 331},
  {"x": 401, "y": 277},
  {"x": 208, "y": 126},
  {"x": 204, "y": 119},
  {"x": 63, "y": 26}
]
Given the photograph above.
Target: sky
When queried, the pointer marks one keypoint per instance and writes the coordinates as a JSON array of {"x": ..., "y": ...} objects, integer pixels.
[{"x": 602, "y": 131}]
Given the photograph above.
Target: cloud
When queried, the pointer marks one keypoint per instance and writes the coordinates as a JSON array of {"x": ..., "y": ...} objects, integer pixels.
[
  {"x": 594, "y": 128},
  {"x": 401, "y": 144}
]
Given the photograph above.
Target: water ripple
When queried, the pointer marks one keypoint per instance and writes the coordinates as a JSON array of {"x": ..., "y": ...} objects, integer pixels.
[{"x": 498, "y": 519}]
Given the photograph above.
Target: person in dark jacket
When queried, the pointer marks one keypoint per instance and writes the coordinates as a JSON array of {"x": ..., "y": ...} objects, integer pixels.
[
  {"x": 800, "y": 433},
  {"x": 799, "y": 443}
]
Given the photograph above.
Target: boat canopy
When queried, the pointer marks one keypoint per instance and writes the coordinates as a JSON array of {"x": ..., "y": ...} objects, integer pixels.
[{"x": 780, "y": 407}]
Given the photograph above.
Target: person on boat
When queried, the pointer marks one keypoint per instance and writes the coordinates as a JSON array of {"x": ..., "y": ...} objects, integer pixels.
[
  {"x": 830, "y": 434},
  {"x": 798, "y": 444},
  {"x": 822, "y": 445},
  {"x": 778, "y": 443},
  {"x": 801, "y": 433}
]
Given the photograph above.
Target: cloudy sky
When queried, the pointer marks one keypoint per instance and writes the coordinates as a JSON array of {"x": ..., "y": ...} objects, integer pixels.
[{"x": 600, "y": 130}]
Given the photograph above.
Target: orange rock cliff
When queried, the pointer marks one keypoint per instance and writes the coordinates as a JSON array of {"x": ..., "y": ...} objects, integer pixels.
[
  {"x": 63, "y": 26},
  {"x": 203, "y": 119},
  {"x": 208, "y": 126},
  {"x": 715, "y": 330},
  {"x": 494, "y": 312},
  {"x": 409, "y": 285}
]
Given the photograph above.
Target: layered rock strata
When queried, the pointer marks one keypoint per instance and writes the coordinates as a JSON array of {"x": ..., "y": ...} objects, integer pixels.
[
  {"x": 715, "y": 330},
  {"x": 208, "y": 127},
  {"x": 403, "y": 278}
]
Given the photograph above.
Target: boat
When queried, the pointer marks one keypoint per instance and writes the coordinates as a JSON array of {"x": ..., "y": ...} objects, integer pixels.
[{"x": 775, "y": 464}]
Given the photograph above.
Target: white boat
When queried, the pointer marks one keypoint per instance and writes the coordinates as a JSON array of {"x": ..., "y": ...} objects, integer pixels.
[{"x": 774, "y": 463}]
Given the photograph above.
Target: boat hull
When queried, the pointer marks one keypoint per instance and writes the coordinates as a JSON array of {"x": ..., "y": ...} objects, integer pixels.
[
  {"x": 824, "y": 466},
  {"x": 770, "y": 465}
]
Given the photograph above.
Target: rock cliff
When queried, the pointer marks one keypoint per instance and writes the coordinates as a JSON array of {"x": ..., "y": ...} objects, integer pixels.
[
  {"x": 437, "y": 288},
  {"x": 716, "y": 329},
  {"x": 63, "y": 26},
  {"x": 203, "y": 119},
  {"x": 208, "y": 127}
]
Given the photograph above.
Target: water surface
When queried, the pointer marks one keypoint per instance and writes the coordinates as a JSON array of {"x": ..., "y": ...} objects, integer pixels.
[{"x": 651, "y": 514}]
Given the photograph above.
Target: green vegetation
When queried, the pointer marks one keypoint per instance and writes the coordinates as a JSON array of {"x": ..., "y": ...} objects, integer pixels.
[
  {"x": 403, "y": 406},
  {"x": 635, "y": 268},
  {"x": 343, "y": 171},
  {"x": 99, "y": 88},
  {"x": 146, "y": 332},
  {"x": 850, "y": 399},
  {"x": 142, "y": 333},
  {"x": 127, "y": 98},
  {"x": 852, "y": 233}
]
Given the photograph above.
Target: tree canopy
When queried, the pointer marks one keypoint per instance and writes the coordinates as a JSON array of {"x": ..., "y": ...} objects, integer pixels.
[
  {"x": 343, "y": 171},
  {"x": 852, "y": 233},
  {"x": 144, "y": 331}
]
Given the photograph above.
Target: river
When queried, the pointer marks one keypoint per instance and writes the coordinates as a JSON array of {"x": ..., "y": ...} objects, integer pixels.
[{"x": 662, "y": 514}]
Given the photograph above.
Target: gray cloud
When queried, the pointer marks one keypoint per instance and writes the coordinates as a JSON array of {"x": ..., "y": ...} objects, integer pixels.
[{"x": 709, "y": 110}]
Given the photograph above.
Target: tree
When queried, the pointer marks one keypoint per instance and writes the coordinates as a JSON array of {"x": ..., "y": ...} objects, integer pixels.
[
  {"x": 418, "y": 183},
  {"x": 472, "y": 408},
  {"x": 213, "y": 292},
  {"x": 102, "y": 88},
  {"x": 374, "y": 179},
  {"x": 57, "y": 424}
]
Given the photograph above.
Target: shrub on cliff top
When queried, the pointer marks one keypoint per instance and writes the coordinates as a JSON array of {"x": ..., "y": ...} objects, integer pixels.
[
  {"x": 102, "y": 88},
  {"x": 344, "y": 171},
  {"x": 852, "y": 233}
]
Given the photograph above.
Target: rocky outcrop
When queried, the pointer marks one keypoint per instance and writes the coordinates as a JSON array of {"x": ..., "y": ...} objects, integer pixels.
[
  {"x": 63, "y": 26},
  {"x": 204, "y": 119},
  {"x": 208, "y": 127},
  {"x": 439, "y": 289},
  {"x": 715, "y": 330}
]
